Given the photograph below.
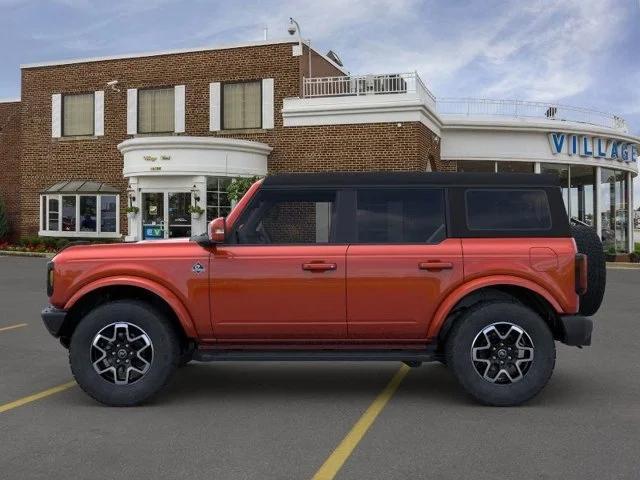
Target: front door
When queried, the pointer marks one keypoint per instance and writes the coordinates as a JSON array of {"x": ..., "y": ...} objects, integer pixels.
[
  {"x": 401, "y": 264},
  {"x": 282, "y": 274},
  {"x": 165, "y": 215}
]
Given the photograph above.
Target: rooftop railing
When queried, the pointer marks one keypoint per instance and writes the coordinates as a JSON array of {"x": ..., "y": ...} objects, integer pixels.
[
  {"x": 410, "y": 83},
  {"x": 478, "y": 107},
  {"x": 392, "y": 83}
]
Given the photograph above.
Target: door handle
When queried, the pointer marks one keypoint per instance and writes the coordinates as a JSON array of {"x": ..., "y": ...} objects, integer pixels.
[
  {"x": 319, "y": 267},
  {"x": 435, "y": 266}
]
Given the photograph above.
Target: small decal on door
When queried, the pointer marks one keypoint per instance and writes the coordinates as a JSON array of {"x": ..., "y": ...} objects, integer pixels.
[{"x": 197, "y": 268}]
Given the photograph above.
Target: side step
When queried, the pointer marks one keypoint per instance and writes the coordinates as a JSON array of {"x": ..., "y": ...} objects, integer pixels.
[{"x": 323, "y": 355}]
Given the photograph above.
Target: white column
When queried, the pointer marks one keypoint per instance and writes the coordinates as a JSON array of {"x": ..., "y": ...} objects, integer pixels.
[
  {"x": 630, "y": 239},
  {"x": 536, "y": 167},
  {"x": 134, "y": 223},
  {"x": 598, "y": 206}
]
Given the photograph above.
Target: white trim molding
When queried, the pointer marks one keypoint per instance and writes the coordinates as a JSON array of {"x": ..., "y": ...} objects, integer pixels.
[
  {"x": 268, "y": 107},
  {"x": 132, "y": 111},
  {"x": 185, "y": 155},
  {"x": 214, "y": 107},
  {"x": 179, "y": 108},
  {"x": 384, "y": 108},
  {"x": 56, "y": 115},
  {"x": 98, "y": 113}
]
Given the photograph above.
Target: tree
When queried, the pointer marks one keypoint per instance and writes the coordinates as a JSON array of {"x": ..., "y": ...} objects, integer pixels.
[
  {"x": 239, "y": 186},
  {"x": 4, "y": 221}
]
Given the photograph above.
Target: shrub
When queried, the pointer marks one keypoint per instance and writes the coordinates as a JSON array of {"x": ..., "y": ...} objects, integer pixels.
[{"x": 239, "y": 186}]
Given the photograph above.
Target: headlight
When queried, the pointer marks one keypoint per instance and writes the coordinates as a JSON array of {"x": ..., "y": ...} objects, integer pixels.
[{"x": 50, "y": 277}]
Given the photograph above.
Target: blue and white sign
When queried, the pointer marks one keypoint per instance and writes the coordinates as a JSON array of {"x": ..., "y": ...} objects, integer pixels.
[{"x": 592, "y": 146}]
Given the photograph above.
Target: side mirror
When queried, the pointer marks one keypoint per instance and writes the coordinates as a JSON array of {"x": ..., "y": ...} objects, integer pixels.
[{"x": 218, "y": 230}]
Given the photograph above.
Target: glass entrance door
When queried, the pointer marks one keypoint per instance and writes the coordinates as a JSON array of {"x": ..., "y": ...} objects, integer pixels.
[
  {"x": 179, "y": 220},
  {"x": 165, "y": 215},
  {"x": 153, "y": 220}
]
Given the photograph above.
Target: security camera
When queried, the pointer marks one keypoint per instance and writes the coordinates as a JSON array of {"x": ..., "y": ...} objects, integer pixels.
[
  {"x": 291, "y": 29},
  {"x": 112, "y": 84}
]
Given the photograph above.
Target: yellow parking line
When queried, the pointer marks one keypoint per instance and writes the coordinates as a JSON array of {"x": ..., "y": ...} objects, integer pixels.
[
  {"x": 11, "y": 327},
  {"x": 334, "y": 463},
  {"x": 35, "y": 396}
]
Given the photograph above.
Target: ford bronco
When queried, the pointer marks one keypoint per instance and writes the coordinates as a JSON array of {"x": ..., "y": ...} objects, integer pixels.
[{"x": 482, "y": 272}]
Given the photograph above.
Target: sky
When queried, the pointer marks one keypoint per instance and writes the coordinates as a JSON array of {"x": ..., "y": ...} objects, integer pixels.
[{"x": 577, "y": 52}]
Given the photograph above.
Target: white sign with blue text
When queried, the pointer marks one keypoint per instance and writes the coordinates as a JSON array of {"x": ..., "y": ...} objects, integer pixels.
[{"x": 592, "y": 146}]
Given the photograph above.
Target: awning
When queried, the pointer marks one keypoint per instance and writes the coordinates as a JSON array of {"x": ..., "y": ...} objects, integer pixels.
[{"x": 81, "y": 186}]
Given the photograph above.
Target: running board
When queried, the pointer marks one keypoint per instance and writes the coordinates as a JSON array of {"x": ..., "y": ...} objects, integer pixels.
[{"x": 322, "y": 355}]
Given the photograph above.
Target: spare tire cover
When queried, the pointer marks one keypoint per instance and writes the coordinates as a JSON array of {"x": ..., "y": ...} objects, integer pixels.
[{"x": 588, "y": 243}]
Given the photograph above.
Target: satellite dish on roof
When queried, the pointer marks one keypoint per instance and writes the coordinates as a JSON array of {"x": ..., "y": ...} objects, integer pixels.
[{"x": 334, "y": 56}]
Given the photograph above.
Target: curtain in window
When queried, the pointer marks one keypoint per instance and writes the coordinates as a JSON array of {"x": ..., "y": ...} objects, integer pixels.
[
  {"x": 242, "y": 105},
  {"x": 77, "y": 115},
  {"x": 156, "y": 110}
]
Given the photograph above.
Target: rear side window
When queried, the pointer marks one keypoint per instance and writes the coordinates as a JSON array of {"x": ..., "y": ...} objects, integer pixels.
[
  {"x": 507, "y": 209},
  {"x": 400, "y": 216}
]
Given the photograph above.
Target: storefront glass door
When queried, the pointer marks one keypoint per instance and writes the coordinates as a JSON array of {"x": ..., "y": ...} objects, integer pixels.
[{"x": 165, "y": 215}]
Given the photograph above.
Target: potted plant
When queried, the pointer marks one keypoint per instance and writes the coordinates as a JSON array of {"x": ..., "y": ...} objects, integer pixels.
[
  {"x": 196, "y": 211},
  {"x": 132, "y": 211}
]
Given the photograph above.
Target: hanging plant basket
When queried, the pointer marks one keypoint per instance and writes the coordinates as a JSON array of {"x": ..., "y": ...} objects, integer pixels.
[
  {"x": 132, "y": 211},
  {"x": 196, "y": 211}
]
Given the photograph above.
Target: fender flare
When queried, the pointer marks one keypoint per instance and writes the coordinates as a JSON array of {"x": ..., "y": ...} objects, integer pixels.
[
  {"x": 467, "y": 288},
  {"x": 163, "y": 292}
]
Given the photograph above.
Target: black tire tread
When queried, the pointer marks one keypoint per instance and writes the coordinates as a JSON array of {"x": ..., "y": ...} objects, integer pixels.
[{"x": 588, "y": 243}]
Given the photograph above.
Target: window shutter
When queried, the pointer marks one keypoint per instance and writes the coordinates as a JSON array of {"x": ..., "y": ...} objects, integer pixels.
[
  {"x": 98, "y": 113},
  {"x": 214, "y": 107},
  {"x": 132, "y": 111},
  {"x": 56, "y": 115},
  {"x": 179, "y": 113},
  {"x": 267, "y": 103}
]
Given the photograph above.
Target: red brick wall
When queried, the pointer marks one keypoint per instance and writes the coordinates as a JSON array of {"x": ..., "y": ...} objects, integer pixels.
[
  {"x": 45, "y": 161},
  {"x": 9, "y": 161}
]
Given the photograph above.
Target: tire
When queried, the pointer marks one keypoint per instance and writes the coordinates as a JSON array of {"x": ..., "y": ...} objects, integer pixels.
[
  {"x": 588, "y": 243},
  {"x": 150, "y": 345},
  {"x": 499, "y": 318}
]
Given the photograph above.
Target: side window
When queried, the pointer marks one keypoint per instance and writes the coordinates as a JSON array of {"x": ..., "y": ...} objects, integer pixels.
[
  {"x": 400, "y": 216},
  {"x": 281, "y": 217},
  {"x": 507, "y": 209}
]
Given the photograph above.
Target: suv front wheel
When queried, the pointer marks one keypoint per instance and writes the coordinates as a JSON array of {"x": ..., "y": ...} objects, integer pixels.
[
  {"x": 123, "y": 352},
  {"x": 501, "y": 352}
]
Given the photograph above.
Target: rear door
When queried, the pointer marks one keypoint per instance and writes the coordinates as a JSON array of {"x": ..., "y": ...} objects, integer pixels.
[{"x": 401, "y": 264}]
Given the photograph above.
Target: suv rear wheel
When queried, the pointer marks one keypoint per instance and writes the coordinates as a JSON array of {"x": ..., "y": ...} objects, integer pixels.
[
  {"x": 123, "y": 352},
  {"x": 501, "y": 352}
]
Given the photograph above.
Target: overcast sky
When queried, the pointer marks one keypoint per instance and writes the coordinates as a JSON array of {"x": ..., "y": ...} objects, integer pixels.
[{"x": 578, "y": 52}]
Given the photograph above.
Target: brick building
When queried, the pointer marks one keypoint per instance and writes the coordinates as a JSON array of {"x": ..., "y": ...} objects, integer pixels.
[{"x": 162, "y": 132}]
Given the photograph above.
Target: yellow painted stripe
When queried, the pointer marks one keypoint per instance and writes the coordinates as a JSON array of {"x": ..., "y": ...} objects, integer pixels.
[
  {"x": 334, "y": 463},
  {"x": 35, "y": 396},
  {"x": 11, "y": 327}
]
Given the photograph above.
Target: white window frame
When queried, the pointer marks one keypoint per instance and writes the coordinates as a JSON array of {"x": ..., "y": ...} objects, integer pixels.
[{"x": 45, "y": 232}]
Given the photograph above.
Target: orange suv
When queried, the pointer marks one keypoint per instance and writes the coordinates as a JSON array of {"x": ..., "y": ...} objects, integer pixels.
[{"x": 482, "y": 272}]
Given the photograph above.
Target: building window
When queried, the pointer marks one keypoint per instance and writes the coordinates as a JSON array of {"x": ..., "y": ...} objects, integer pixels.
[
  {"x": 77, "y": 115},
  {"x": 77, "y": 215},
  {"x": 242, "y": 105},
  {"x": 218, "y": 203},
  {"x": 614, "y": 210},
  {"x": 582, "y": 193},
  {"x": 515, "y": 167},
  {"x": 476, "y": 166},
  {"x": 156, "y": 110}
]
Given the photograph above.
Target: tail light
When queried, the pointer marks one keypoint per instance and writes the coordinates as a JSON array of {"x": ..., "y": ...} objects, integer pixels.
[
  {"x": 581, "y": 273},
  {"x": 50, "y": 277}
]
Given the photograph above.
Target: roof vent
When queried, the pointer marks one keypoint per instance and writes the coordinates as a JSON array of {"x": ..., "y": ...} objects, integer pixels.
[{"x": 334, "y": 57}]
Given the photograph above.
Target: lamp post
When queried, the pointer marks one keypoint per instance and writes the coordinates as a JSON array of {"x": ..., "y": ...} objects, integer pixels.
[{"x": 294, "y": 27}]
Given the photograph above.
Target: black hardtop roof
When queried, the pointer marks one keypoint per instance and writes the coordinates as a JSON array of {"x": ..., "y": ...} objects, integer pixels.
[{"x": 453, "y": 179}]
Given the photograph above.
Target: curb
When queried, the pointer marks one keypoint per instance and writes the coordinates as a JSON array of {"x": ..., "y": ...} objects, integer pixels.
[
  {"x": 623, "y": 265},
  {"x": 12, "y": 253}
]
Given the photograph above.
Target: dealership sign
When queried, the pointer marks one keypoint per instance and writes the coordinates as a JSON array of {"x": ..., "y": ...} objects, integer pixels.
[{"x": 591, "y": 146}]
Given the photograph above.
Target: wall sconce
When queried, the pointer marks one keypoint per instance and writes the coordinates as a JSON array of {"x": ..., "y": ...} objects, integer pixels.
[
  {"x": 132, "y": 194},
  {"x": 196, "y": 193}
]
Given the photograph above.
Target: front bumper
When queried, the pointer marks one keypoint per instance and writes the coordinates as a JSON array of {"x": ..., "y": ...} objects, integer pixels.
[
  {"x": 54, "y": 319},
  {"x": 576, "y": 330}
]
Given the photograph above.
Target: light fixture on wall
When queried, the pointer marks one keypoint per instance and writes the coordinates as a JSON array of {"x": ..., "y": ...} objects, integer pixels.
[
  {"x": 112, "y": 85},
  {"x": 132, "y": 194},
  {"x": 196, "y": 193}
]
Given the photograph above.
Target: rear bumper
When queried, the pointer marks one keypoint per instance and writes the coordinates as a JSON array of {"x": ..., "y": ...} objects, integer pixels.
[
  {"x": 54, "y": 319},
  {"x": 576, "y": 330}
]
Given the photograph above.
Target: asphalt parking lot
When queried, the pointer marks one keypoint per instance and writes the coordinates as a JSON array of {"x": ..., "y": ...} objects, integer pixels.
[{"x": 283, "y": 420}]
